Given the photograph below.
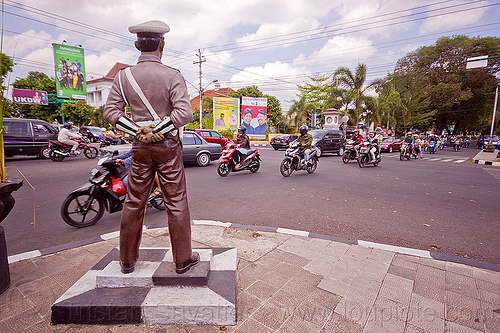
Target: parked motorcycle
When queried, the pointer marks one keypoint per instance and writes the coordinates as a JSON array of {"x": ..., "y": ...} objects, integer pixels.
[
  {"x": 58, "y": 151},
  {"x": 85, "y": 205},
  {"x": 349, "y": 152},
  {"x": 292, "y": 161},
  {"x": 364, "y": 155},
  {"x": 228, "y": 161},
  {"x": 432, "y": 147}
]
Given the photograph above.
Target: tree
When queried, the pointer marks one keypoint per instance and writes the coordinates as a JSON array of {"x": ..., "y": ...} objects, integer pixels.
[
  {"x": 454, "y": 95},
  {"x": 79, "y": 113},
  {"x": 6, "y": 66},
  {"x": 37, "y": 81},
  {"x": 299, "y": 111}
]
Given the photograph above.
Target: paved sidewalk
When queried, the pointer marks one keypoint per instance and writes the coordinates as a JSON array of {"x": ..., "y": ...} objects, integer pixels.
[{"x": 285, "y": 283}]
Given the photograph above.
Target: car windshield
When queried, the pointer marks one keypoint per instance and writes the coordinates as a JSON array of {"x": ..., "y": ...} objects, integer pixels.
[
  {"x": 317, "y": 134},
  {"x": 388, "y": 140}
]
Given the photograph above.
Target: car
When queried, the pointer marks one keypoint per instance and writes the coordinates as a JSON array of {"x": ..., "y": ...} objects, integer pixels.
[
  {"x": 390, "y": 144},
  {"x": 282, "y": 140},
  {"x": 328, "y": 141},
  {"x": 91, "y": 132},
  {"x": 211, "y": 136},
  {"x": 27, "y": 137},
  {"x": 194, "y": 149},
  {"x": 485, "y": 138}
]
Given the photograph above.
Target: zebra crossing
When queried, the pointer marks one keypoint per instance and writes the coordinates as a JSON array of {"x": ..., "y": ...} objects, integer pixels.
[{"x": 433, "y": 158}]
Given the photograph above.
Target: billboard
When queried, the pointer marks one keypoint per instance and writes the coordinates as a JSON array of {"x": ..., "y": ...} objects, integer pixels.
[
  {"x": 226, "y": 113},
  {"x": 70, "y": 71},
  {"x": 254, "y": 116},
  {"x": 24, "y": 96}
]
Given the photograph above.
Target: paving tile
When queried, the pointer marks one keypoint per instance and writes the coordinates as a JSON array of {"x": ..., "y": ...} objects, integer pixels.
[
  {"x": 13, "y": 307},
  {"x": 343, "y": 273},
  {"x": 403, "y": 272},
  {"x": 33, "y": 286},
  {"x": 318, "y": 244},
  {"x": 284, "y": 299},
  {"x": 366, "y": 284},
  {"x": 381, "y": 256},
  {"x": 405, "y": 257},
  {"x": 491, "y": 317},
  {"x": 461, "y": 284},
  {"x": 23, "y": 319},
  {"x": 267, "y": 263},
  {"x": 277, "y": 277},
  {"x": 415, "y": 329},
  {"x": 451, "y": 327},
  {"x": 464, "y": 310},
  {"x": 485, "y": 285},
  {"x": 386, "y": 316},
  {"x": 486, "y": 275},
  {"x": 296, "y": 324},
  {"x": 253, "y": 326},
  {"x": 459, "y": 269},
  {"x": 357, "y": 312},
  {"x": 439, "y": 264},
  {"x": 296, "y": 260},
  {"x": 325, "y": 298},
  {"x": 339, "y": 323},
  {"x": 397, "y": 289},
  {"x": 302, "y": 284},
  {"x": 243, "y": 281},
  {"x": 336, "y": 248},
  {"x": 256, "y": 270},
  {"x": 246, "y": 304},
  {"x": 262, "y": 290},
  {"x": 334, "y": 286},
  {"x": 431, "y": 271},
  {"x": 271, "y": 315},
  {"x": 430, "y": 286},
  {"x": 313, "y": 312},
  {"x": 425, "y": 309},
  {"x": 322, "y": 268},
  {"x": 489, "y": 297}
]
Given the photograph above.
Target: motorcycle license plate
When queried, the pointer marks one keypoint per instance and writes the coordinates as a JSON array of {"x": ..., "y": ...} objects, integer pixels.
[{"x": 94, "y": 172}]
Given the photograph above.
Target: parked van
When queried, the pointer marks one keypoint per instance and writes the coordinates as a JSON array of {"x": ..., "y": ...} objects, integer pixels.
[{"x": 27, "y": 137}]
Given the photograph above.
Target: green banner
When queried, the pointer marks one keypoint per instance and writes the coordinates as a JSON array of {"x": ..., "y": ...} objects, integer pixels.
[{"x": 70, "y": 71}]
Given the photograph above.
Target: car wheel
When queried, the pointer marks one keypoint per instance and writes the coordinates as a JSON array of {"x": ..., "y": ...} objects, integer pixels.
[
  {"x": 320, "y": 151},
  {"x": 44, "y": 152},
  {"x": 203, "y": 159},
  {"x": 275, "y": 148},
  {"x": 341, "y": 151},
  {"x": 390, "y": 149}
]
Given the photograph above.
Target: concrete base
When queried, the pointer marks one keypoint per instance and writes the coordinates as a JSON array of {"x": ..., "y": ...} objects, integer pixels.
[{"x": 154, "y": 293}]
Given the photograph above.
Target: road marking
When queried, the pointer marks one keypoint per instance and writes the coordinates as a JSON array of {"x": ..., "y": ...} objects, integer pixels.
[
  {"x": 448, "y": 160},
  {"x": 433, "y": 159},
  {"x": 110, "y": 235},
  {"x": 459, "y": 161}
]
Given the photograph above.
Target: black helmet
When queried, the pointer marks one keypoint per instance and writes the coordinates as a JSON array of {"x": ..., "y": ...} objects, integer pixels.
[
  {"x": 68, "y": 125},
  {"x": 242, "y": 129}
]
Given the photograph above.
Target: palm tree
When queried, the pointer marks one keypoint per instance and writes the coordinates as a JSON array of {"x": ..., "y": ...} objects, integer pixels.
[
  {"x": 298, "y": 111},
  {"x": 353, "y": 89}
]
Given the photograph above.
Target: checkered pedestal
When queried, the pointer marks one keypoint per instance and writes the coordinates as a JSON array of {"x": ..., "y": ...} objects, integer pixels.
[{"x": 154, "y": 293}]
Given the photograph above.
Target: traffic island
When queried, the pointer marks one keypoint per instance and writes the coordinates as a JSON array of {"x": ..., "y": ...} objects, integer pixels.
[
  {"x": 488, "y": 157},
  {"x": 154, "y": 293}
]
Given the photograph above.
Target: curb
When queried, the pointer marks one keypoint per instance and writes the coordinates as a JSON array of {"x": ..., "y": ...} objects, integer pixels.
[
  {"x": 391, "y": 248},
  {"x": 487, "y": 162}
]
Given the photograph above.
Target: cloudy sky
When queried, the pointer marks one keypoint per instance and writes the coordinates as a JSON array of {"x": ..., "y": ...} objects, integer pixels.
[{"x": 274, "y": 44}]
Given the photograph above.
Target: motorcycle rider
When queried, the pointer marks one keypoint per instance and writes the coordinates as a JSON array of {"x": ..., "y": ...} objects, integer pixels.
[
  {"x": 305, "y": 141},
  {"x": 244, "y": 145},
  {"x": 65, "y": 137},
  {"x": 409, "y": 141},
  {"x": 373, "y": 141},
  {"x": 417, "y": 145},
  {"x": 379, "y": 137},
  {"x": 356, "y": 138}
]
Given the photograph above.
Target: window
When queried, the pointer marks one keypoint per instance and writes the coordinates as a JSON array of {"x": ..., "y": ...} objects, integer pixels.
[
  {"x": 216, "y": 134},
  {"x": 16, "y": 128},
  {"x": 188, "y": 139},
  {"x": 204, "y": 133}
]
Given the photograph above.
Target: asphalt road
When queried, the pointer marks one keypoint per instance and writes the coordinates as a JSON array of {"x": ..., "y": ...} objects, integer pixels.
[{"x": 442, "y": 202}]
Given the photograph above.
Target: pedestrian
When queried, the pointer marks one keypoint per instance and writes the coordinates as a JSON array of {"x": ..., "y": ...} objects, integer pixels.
[{"x": 158, "y": 97}]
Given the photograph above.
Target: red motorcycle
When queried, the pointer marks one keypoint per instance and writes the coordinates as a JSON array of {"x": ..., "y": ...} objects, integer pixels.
[
  {"x": 233, "y": 160},
  {"x": 58, "y": 151}
]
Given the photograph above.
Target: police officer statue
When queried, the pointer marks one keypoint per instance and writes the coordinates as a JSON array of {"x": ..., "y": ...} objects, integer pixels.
[{"x": 159, "y": 102}]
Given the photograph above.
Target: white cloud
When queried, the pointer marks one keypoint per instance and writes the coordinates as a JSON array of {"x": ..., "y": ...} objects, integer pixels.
[
  {"x": 21, "y": 44},
  {"x": 455, "y": 20}
]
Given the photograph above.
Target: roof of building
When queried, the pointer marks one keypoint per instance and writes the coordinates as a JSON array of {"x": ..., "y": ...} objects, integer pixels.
[
  {"x": 112, "y": 73},
  {"x": 221, "y": 92}
]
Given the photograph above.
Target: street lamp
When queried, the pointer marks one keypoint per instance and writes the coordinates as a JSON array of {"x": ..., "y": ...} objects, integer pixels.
[
  {"x": 480, "y": 62},
  {"x": 201, "y": 104}
]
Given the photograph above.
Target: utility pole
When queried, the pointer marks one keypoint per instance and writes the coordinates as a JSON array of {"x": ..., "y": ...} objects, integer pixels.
[{"x": 201, "y": 59}]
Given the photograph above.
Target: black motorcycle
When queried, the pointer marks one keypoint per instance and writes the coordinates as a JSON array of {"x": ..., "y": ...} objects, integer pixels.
[
  {"x": 292, "y": 161},
  {"x": 364, "y": 155},
  {"x": 457, "y": 144},
  {"x": 58, "y": 151},
  {"x": 406, "y": 153},
  {"x": 85, "y": 206},
  {"x": 349, "y": 153}
]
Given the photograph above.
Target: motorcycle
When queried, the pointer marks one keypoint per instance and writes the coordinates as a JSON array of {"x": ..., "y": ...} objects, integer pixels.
[
  {"x": 364, "y": 155},
  {"x": 406, "y": 153},
  {"x": 58, "y": 151},
  {"x": 105, "y": 190},
  {"x": 457, "y": 145},
  {"x": 227, "y": 162},
  {"x": 349, "y": 152},
  {"x": 292, "y": 161},
  {"x": 442, "y": 143},
  {"x": 467, "y": 143},
  {"x": 432, "y": 147}
]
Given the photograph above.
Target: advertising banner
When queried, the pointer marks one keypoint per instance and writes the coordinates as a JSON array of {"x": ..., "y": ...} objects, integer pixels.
[
  {"x": 70, "y": 71},
  {"x": 254, "y": 116},
  {"x": 24, "y": 96},
  {"x": 226, "y": 113}
]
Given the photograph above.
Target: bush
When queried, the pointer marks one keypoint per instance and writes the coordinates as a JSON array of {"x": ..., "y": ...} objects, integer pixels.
[{"x": 227, "y": 133}]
